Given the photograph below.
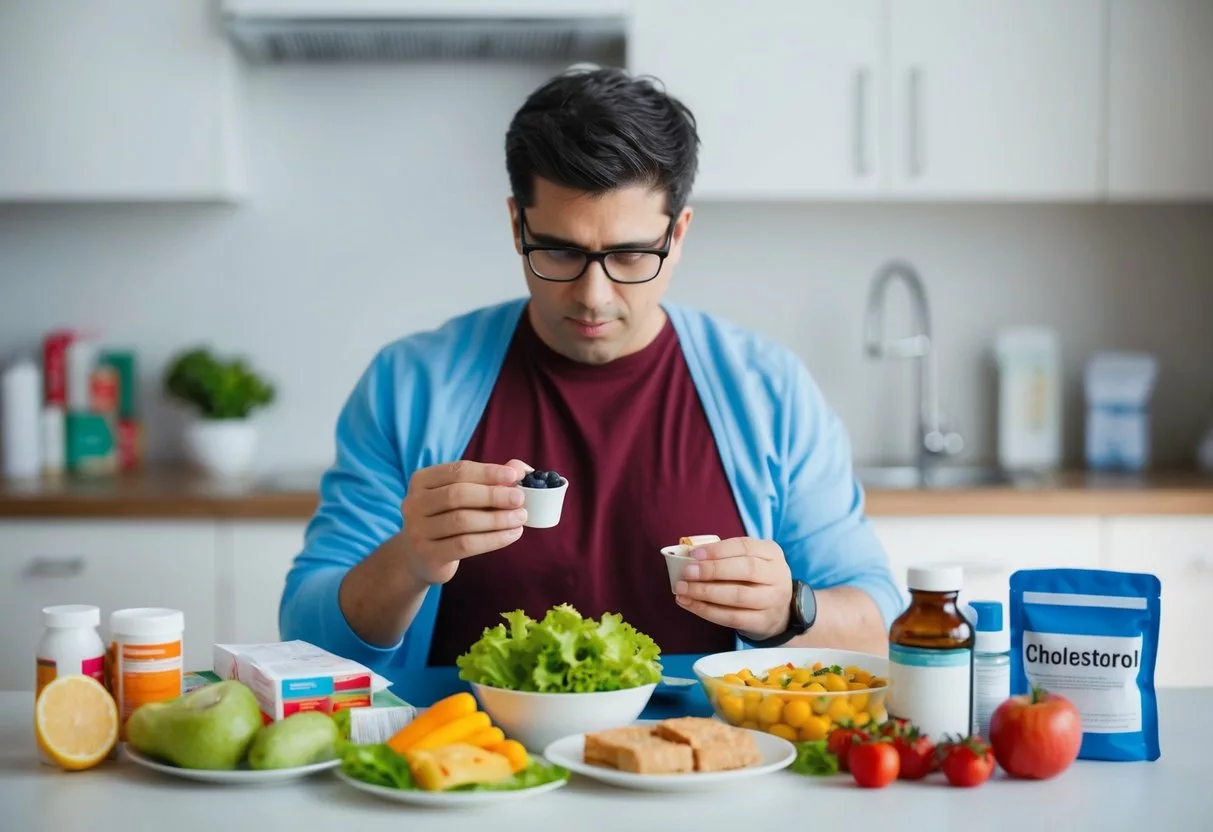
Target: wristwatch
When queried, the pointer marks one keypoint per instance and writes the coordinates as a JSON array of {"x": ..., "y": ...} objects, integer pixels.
[{"x": 802, "y": 613}]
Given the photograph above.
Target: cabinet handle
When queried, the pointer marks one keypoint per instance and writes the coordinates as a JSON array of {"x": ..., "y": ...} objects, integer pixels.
[
  {"x": 42, "y": 567},
  {"x": 915, "y": 126},
  {"x": 862, "y": 77}
]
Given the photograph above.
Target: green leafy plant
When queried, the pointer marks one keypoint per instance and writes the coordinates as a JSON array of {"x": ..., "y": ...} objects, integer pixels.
[{"x": 217, "y": 389}]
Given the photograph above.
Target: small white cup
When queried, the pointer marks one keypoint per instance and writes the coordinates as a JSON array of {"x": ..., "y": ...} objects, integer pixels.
[
  {"x": 543, "y": 505},
  {"x": 676, "y": 559}
]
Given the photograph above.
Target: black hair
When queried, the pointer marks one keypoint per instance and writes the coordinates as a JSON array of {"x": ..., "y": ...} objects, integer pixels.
[{"x": 595, "y": 130}]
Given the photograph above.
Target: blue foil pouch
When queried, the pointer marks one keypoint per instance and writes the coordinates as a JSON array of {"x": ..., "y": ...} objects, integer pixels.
[{"x": 1091, "y": 636}]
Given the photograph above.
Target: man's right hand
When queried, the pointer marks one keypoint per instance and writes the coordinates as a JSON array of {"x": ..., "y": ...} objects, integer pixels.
[{"x": 459, "y": 510}]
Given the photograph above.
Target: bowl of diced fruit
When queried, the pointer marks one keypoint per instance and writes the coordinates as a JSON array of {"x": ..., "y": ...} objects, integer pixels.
[{"x": 798, "y": 693}]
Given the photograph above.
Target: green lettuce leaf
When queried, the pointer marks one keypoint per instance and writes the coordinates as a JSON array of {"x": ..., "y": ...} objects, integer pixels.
[
  {"x": 377, "y": 764},
  {"x": 814, "y": 760},
  {"x": 563, "y": 653},
  {"x": 535, "y": 774}
]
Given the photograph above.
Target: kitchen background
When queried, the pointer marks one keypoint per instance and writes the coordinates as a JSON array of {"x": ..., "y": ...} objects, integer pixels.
[
  {"x": 375, "y": 207},
  {"x": 163, "y": 192}
]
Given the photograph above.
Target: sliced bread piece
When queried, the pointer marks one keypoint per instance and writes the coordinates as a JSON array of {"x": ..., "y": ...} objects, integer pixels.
[
  {"x": 716, "y": 746},
  {"x": 725, "y": 757},
  {"x": 602, "y": 747},
  {"x": 653, "y": 755}
]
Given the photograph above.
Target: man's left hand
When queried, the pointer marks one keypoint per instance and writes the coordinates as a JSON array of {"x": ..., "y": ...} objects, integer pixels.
[{"x": 741, "y": 583}]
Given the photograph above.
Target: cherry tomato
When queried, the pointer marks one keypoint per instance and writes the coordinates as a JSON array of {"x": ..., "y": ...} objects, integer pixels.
[
  {"x": 916, "y": 753},
  {"x": 840, "y": 741},
  {"x": 966, "y": 762},
  {"x": 874, "y": 763},
  {"x": 892, "y": 726}
]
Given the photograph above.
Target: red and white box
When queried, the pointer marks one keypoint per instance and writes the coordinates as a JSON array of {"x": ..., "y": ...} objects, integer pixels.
[{"x": 292, "y": 676}]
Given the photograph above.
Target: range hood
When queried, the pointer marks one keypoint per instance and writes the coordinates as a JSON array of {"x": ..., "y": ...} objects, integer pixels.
[{"x": 279, "y": 31}]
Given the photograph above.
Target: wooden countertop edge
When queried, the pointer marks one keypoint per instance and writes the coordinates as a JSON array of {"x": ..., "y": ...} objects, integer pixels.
[
  {"x": 1045, "y": 502},
  {"x": 1059, "y": 501},
  {"x": 176, "y": 507}
]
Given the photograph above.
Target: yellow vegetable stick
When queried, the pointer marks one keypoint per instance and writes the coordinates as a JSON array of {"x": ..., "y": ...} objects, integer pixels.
[
  {"x": 453, "y": 732},
  {"x": 513, "y": 751},
  {"x": 439, "y": 714},
  {"x": 486, "y": 737}
]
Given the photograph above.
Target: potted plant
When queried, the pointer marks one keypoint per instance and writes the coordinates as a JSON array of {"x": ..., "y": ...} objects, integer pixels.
[{"x": 220, "y": 438}]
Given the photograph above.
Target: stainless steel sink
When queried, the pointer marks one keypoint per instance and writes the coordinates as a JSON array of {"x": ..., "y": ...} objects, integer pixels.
[{"x": 942, "y": 477}]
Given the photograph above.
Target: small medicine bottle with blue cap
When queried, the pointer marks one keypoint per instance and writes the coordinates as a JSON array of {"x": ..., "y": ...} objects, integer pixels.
[{"x": 991, "y": 664}]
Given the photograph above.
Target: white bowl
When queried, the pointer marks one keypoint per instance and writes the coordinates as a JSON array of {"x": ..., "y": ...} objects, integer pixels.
[
  {"x": 543, "y": 505},
  {"x": 539, "y": 719},
  {"x": 676, "y": 559},
  {"x": 222, "y": 448}
]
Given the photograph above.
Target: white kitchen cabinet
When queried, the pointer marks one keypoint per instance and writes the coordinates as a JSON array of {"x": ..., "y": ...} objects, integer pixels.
[
  {"x": 1160, "y": 99},
  {"x": 131, "y": 100},
  {"x": 953, "y": 99},
  {"x": 111, "y": 564},
  {"x": 785, "y": 94},
  {"x": 991, "y": 99},
  {"x": 1179, "y": 550},
  {"x": 254, "y": 558},
  {"x": 989, "y": 549}
]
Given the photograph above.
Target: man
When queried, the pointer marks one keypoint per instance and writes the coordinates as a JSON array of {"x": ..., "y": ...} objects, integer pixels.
[{"x": 665, "y": 421}]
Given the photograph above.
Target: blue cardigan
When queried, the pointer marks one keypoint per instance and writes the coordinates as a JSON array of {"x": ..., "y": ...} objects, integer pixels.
[{"x": 785, "y": 452}]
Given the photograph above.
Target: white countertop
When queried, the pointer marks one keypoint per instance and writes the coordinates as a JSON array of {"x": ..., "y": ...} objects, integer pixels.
[{"x": 1176, "y": 792}]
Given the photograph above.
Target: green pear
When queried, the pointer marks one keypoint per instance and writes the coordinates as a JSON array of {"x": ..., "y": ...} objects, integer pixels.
[
  {"x": 299, "y": 740},
  {"x": 209, "y": 728},
  {"x": 342, "y": 720}
]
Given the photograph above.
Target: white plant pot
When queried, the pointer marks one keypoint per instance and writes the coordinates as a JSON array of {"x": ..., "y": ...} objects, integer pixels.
[{"x": 222, "y": 447}]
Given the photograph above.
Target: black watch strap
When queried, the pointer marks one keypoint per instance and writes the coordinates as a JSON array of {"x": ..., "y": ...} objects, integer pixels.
[{"x": 800, "y": 619}]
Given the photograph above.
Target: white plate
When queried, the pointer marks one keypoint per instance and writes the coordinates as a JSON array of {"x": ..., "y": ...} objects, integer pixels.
[
  {"x": 776, "y": 754},
  {"x": 449, "y": 800},
  {"x": 237, "y": 777}
]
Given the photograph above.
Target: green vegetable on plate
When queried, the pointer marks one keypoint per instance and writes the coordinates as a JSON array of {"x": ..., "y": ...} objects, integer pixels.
[
  {"x": 379, "y": 765},
  {"x": 376, "y": 764},
  {"x": 813, "y": 760},
  {"x": 563, "y": 653}
]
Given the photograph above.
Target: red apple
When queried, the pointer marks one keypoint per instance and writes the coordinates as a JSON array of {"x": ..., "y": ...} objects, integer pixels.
[{"x": 1036, "y": 735}]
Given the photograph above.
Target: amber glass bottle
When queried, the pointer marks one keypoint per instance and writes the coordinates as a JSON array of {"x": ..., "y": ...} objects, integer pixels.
[{"x": 931, "y": 656}]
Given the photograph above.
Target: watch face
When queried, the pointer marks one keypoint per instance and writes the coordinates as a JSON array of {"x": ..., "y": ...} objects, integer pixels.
[{"x": 806, "y": 605}]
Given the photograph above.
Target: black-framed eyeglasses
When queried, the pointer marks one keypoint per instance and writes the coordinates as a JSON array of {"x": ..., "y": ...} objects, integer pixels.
[{"x": 564, "y": 264}]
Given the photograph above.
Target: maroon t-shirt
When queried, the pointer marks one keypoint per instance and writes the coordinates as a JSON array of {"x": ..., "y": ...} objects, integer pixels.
[{"x": 634, "y": 443}]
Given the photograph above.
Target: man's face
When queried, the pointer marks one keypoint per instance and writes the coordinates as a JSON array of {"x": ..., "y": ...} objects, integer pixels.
[{"x": 593, "y": 319}]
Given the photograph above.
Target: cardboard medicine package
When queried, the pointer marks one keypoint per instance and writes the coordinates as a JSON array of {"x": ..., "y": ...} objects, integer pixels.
[{"x": 291, "y": 676}]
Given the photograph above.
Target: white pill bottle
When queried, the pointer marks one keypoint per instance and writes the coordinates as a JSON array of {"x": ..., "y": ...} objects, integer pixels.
[
  {"x": 70, "y": 645},
  {"x": 145, "y": 658}
]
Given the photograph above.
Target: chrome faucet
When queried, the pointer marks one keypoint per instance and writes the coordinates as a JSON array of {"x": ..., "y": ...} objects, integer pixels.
[{"x": 934, "y": 439}]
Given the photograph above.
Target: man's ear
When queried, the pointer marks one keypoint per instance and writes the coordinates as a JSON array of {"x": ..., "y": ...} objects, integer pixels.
[
  {"x": 511, "y": 205},
  {"x": 681, "y": 226}
]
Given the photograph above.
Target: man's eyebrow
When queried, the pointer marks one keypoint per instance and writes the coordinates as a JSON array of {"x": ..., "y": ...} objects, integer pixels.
[{"x": 552, "y": 240}]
